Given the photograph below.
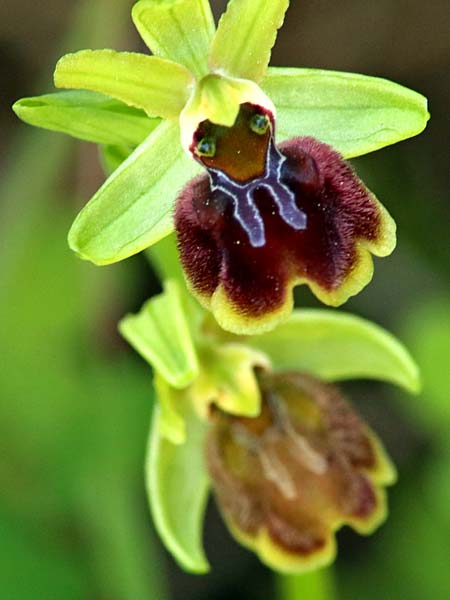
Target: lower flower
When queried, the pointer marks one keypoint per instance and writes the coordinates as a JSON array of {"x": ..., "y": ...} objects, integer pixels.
[{"x": 288, "y": 479}]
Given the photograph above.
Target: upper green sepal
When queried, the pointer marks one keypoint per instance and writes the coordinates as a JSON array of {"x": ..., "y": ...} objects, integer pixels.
[
  {"x": 245, "y": 36},
  {"x": 87, "y": 116},
  {"x": 355, "y": 114},
  {"x": 160, "y": 332},
  {"x": 158, "y": 86},
  {"x": 338, "y": 346},
  {"x": 180, "y": 30}
]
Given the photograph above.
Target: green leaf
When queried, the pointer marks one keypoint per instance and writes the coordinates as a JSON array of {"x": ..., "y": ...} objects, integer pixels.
[
  {"x": 88, "y": 116},
  {"x": 338, "y": 346},
  {"x": 355, "y": 114},
  {"x": 133, "y": 208},
  {"x": 158, "y": 86},
  {"x": 180, "y": 30},
  {"x": 160, "y": 333},
  {"x": 428, "y": 333},
  {"x": 177, "y": 486},
  {"x": 245, "y": 36}
]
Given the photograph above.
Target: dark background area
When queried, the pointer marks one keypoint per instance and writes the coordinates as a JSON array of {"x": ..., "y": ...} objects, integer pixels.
[{"x": 75, "y": 401}]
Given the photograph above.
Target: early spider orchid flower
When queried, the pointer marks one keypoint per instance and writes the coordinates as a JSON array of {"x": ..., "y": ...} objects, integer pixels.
[
  {"x": 265, "y": 217},
  {"x": 257, "y": 420},
  {"x": 304, "y": 467},
  {"x": 276, "y": 205}
]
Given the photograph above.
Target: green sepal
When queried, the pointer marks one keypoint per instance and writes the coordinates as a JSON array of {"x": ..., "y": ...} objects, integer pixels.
[
  {"x": 87, "y": 116},
  {"x": 160, "y": 87},
  {"x": 160, "y": 333},
  {"x": 171, "y": 423},
  {"x": 337, "y": 346},
  {"x": 111, "y": 157},
  {"x": 245, "y": 36},
  {"x": 177, "y": 485},
  {"x": 180, "y": 30},
  {"x": 133, "y": 208},
  {"x": 355, "y": 114}
]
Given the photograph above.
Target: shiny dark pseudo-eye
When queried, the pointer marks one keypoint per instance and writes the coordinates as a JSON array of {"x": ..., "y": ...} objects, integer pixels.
[{"x": 266, "y": 218}]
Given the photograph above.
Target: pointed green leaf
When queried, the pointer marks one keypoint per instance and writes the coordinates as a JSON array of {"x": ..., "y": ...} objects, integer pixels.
[
  {"x": 428, "y": 330},
  {"x": 180, "y": 30},
  {"x": 355, "y": 114},
  {"x": 133, "y": 208},
  {"x": 245, "y": 36},
  {"x": 160, "y": 333},
  {"x": 177, "y": 486},
  {"x": 338, "y": 346},
  {"x": 158, "y": 86},
  {"x": 88, "y": 116}
]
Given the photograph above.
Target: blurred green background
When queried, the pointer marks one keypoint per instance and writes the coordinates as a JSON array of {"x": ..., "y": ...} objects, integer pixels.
[{"x": 74, "y": 399}]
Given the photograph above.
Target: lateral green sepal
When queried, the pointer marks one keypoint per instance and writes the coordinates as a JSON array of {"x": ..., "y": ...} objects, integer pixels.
[
  {"x": 87, "y": 116},
  {"x": 177, "y": 486},
  {"x": 133, "y": 208},
  {"x": 338, "y": 346},
  {"x": 355, "y": 114}
]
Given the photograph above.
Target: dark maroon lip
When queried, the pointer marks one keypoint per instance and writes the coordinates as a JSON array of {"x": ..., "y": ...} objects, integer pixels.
[
  {"x": 305, "y": 464},
  {"x": 215, "y": 248}
]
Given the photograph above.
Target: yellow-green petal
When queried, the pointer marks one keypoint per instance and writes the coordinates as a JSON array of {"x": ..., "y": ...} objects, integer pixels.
[
  {"x": 133, "y": 208},
  {"x": 158, "y": 86},
  {"x": 245, "y": 36},
  {"x": 227, "y": 378},
  {"x": 355, "y": 114},
  {"x": 180, "y": 30},
  {"x": 161, "y": 334}
]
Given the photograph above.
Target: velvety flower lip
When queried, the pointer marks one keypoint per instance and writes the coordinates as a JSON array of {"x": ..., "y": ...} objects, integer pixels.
[
  {"x": 289, "y": 479},
  {"x": 304, "y": 218}
]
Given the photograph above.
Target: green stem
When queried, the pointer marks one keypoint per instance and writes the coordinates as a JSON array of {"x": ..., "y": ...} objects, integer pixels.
[
  {"x": 316, "y": 585},
  {"x": 163, "y": 256}
]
